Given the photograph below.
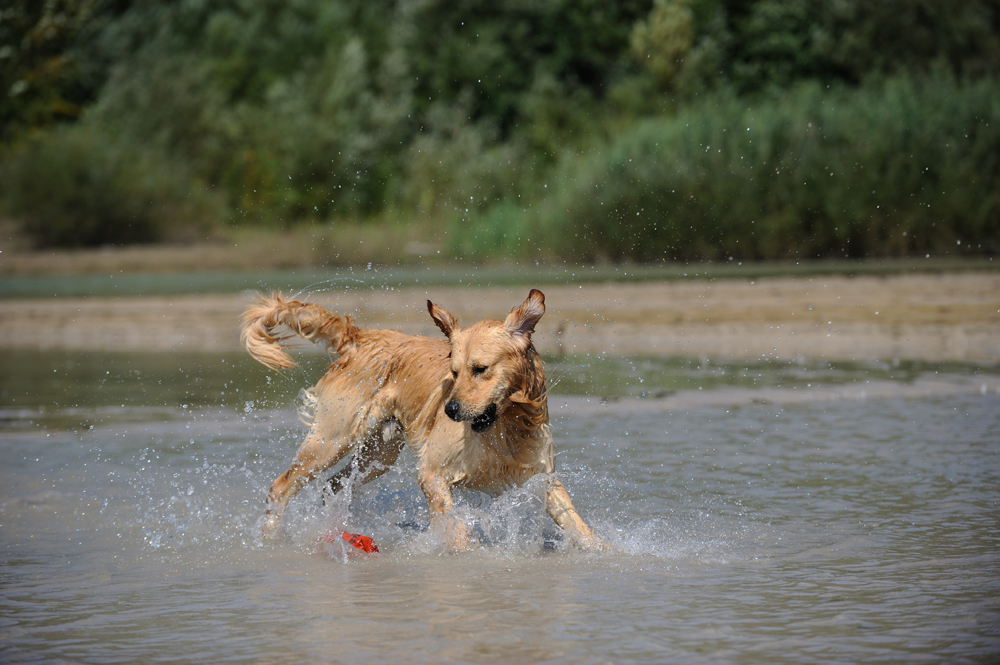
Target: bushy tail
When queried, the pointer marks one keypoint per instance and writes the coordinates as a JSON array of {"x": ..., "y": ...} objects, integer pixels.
[{"x": 311, "y": 322}]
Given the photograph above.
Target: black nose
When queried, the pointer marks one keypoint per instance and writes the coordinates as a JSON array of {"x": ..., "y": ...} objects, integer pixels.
[{"x": 452, "y": 408}]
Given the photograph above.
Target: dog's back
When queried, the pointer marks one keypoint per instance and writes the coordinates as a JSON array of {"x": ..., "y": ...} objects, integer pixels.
[
  {"x": 406, "y": 375},
  {"x": 399, "y": 375}
]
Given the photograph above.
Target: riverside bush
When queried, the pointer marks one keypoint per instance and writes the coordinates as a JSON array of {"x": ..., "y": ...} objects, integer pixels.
[
  {"x": 898, "y": 167},
  {"x": 75, "y": 187}
]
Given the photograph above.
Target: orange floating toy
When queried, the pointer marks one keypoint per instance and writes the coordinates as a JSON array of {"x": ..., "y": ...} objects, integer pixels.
[{"x": 363, "y": 543}]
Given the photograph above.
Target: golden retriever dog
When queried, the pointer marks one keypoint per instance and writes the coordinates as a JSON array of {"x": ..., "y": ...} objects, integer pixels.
[{"x": 472, "y": 407}]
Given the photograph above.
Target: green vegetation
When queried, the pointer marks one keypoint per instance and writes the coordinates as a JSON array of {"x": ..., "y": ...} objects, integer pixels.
[
  {"x": 595, "y": 130},
  {"x": 76, "y": 187},
  {"x": 906, "y": 166}
]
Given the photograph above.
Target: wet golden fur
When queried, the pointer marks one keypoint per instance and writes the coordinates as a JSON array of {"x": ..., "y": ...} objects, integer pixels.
[{"x": 472, "y": 407}]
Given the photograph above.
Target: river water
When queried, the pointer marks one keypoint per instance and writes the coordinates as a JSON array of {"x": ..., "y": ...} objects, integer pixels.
[{"x": 759, "y": 513}]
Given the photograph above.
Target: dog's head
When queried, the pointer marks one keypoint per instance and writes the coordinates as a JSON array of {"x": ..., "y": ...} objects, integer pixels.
[{"x": 489, "y": 360}]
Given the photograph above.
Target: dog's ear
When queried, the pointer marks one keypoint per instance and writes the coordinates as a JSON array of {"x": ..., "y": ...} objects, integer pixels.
[
  {"x": 445, "y": 321},
  {"x": 522, "y": 319}
]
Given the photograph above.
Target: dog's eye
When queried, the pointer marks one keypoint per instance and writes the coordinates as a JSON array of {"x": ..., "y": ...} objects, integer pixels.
[{"x": 478, "y": 369}]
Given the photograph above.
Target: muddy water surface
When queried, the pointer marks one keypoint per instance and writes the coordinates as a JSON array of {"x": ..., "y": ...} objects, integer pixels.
[{"x": 808, "y": 514}]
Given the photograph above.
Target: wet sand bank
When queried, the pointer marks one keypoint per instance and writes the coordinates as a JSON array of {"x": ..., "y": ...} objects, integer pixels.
[{"x": 931, "y": 317}]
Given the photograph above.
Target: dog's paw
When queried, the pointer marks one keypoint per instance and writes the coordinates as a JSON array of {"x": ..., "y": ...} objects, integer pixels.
[
  {"x": 457, "y": 545},
  {"x": 592, "y": 543},
  {"x": 598, "y": 545},
  {"x": 271, "y": 527},
  {"x": 452, "y": 535}
]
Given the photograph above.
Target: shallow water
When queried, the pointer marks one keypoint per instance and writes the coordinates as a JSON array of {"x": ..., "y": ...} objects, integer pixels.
[{"x": 754, "y": 520}]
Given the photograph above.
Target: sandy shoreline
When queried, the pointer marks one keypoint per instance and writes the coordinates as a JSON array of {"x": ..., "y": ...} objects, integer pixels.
[{"x": 931, "y": 317}]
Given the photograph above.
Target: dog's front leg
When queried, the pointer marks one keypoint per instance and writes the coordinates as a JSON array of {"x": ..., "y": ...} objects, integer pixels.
[
  {"x": 561, "y": 510},
  {"x": 316, "y": 454},
  {"x": 437, "y": 491}
]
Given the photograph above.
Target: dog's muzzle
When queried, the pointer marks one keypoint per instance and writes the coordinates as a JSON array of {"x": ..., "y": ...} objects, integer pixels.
[
  {"x": 484, "y": 420},
  {"x": 480, "y": 423}
]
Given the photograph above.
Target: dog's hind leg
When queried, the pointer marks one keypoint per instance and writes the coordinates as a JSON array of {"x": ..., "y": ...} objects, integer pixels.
[
  {"x": 373, "y": 458},
  {"x": 320, "y": 450}
]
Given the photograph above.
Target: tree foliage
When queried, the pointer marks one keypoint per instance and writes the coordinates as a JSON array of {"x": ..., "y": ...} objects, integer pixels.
[{"x": 289, "y": 110}]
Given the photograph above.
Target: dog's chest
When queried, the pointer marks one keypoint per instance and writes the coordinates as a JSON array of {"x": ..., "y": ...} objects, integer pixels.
[{"x": 494, "y": 464}]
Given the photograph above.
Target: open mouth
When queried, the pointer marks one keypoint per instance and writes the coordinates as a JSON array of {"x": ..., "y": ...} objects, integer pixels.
[{"x": 484, "y": 420}]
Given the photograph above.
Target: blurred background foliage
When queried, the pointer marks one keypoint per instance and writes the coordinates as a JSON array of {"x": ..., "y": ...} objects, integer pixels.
[{"x": 596, "y": 130}]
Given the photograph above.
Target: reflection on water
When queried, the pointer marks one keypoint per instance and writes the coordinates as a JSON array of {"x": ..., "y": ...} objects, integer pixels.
[
  {"x": 750, "y": 526},
  {"x": 59, "y": 382}
]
